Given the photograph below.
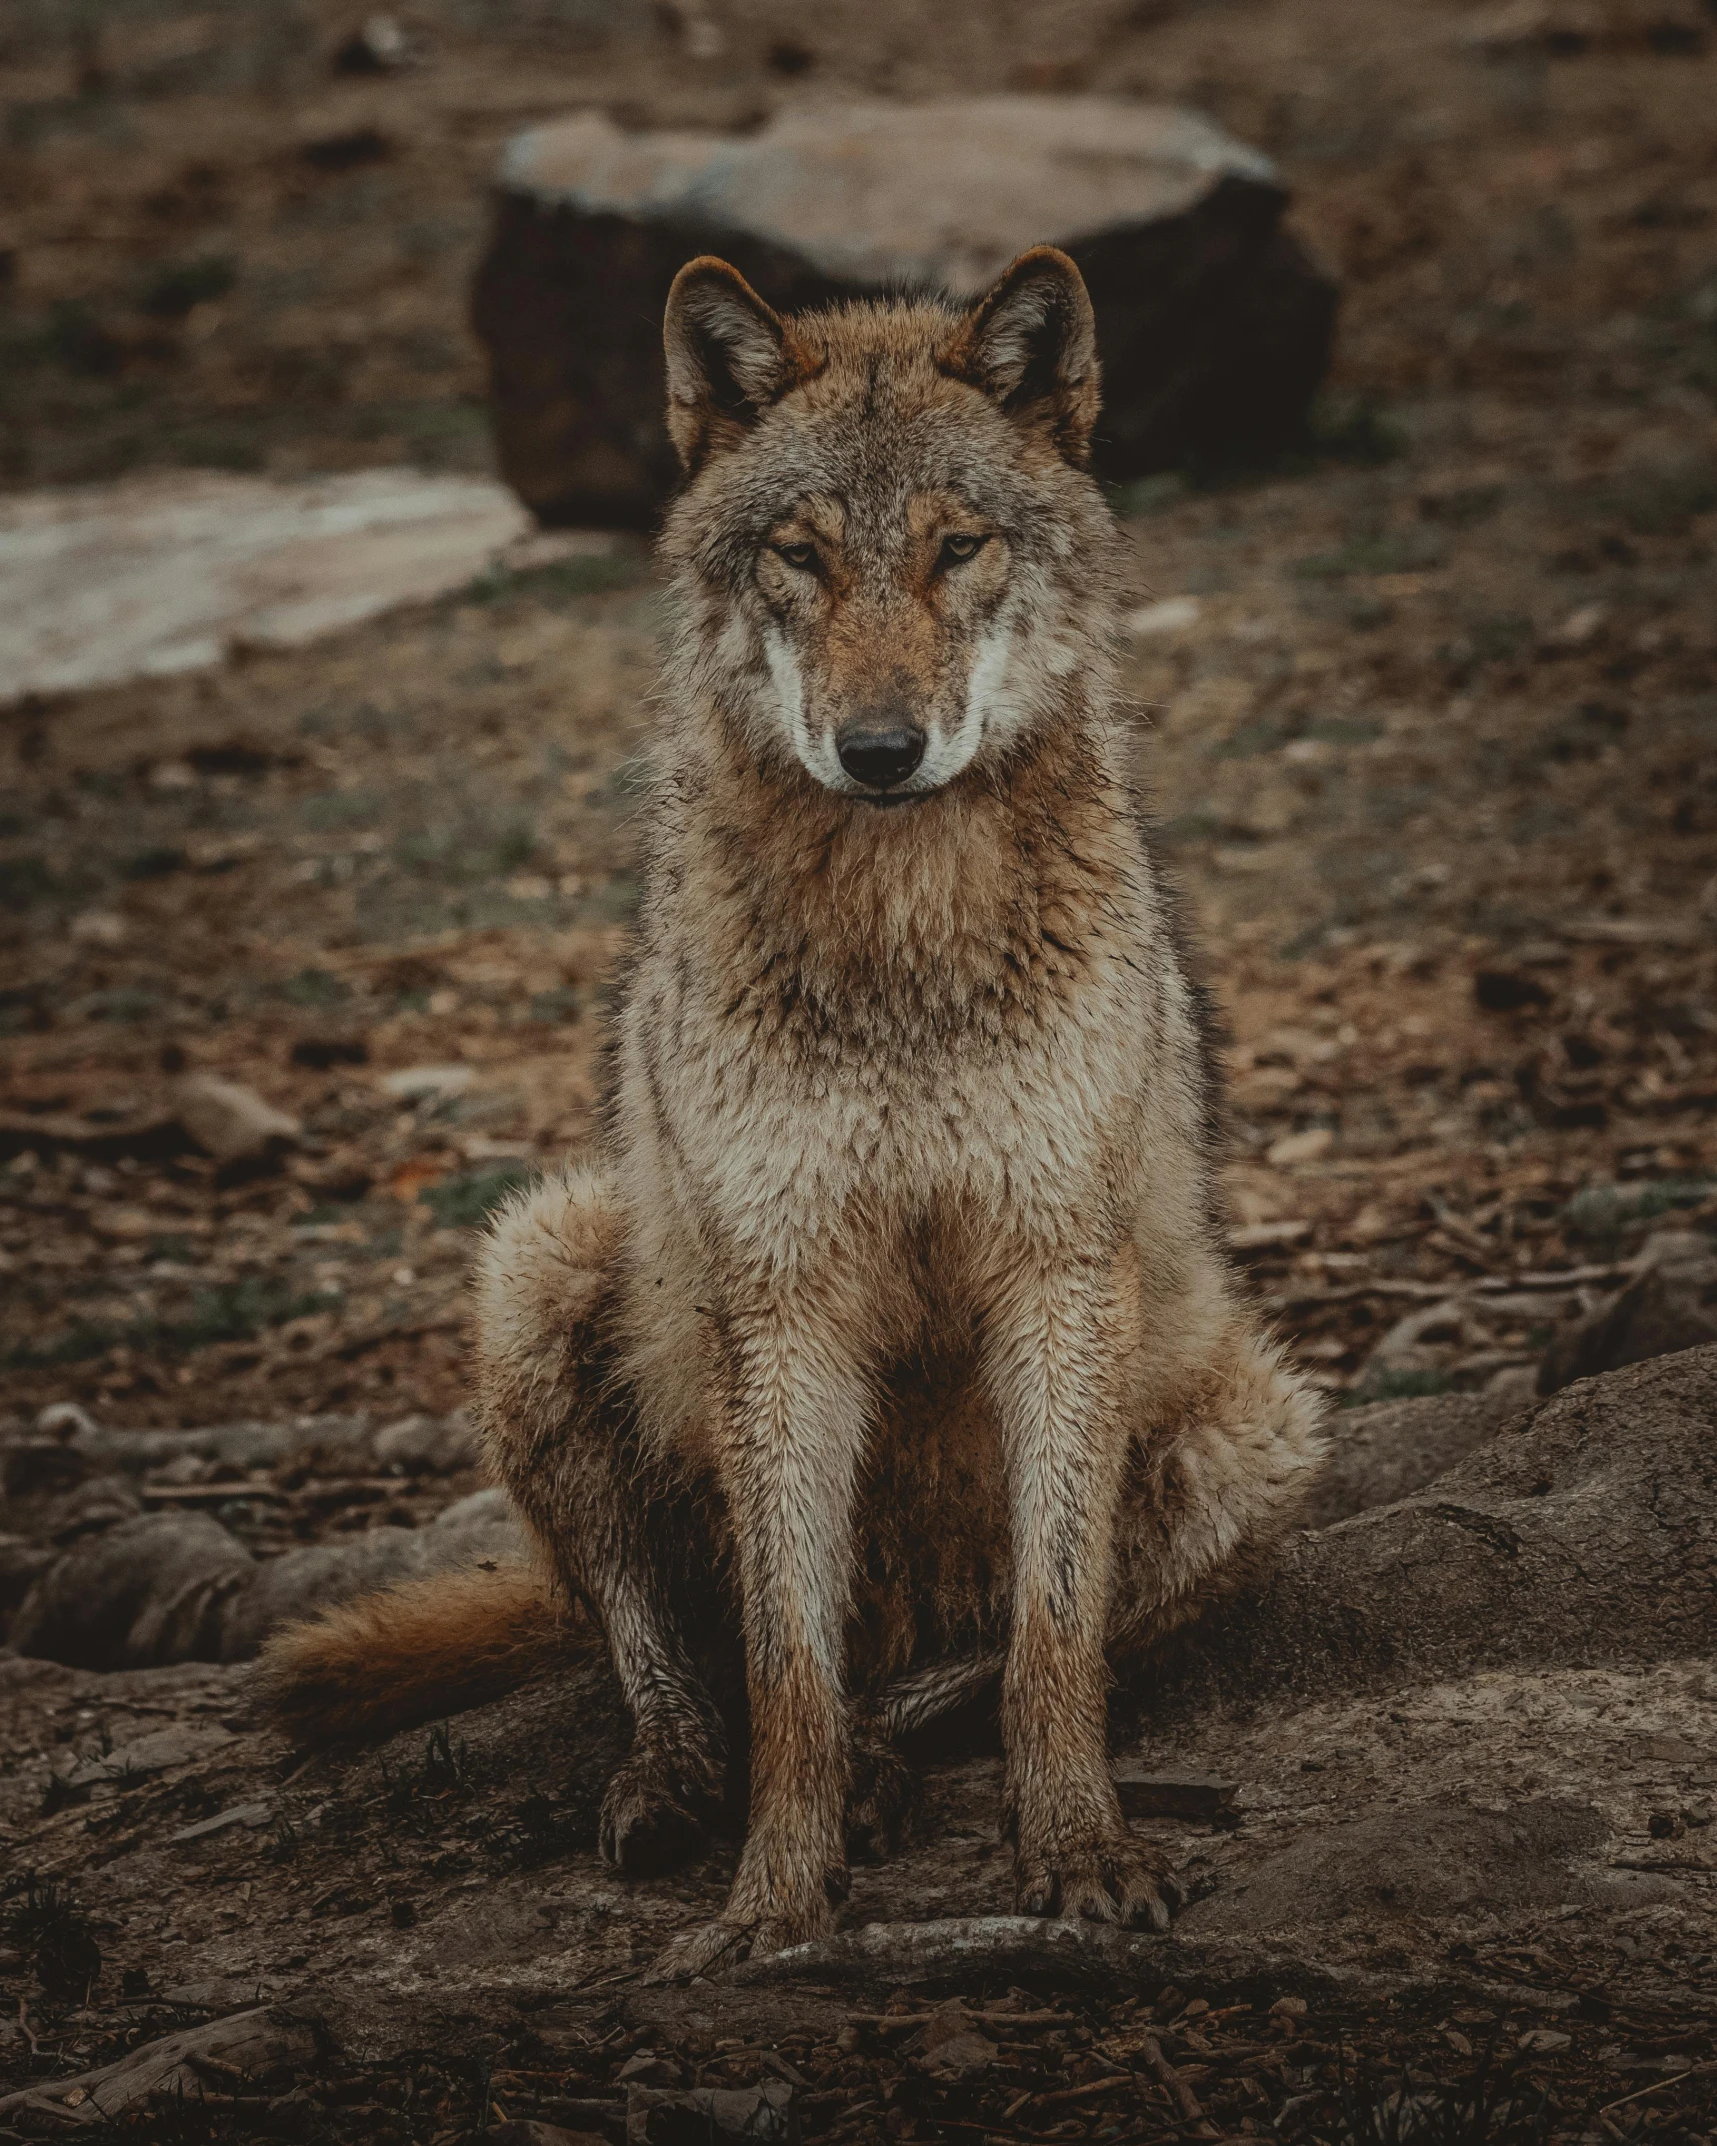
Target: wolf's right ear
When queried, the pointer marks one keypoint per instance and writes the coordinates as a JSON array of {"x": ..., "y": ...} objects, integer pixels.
[
  {"x": 729, "y": 357},
  {"x": 1030, "y": 343}
]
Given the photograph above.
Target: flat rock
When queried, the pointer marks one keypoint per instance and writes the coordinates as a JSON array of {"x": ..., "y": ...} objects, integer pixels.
[
  {"x": 1383, "y": 1452},
  {"x": 151, "y": 1590},
  {"x": 171, "y": 572},
  {"x": 178, "y": 1587},
  {"x": 428, "y": 1445},
  {"x": 1214, "y": 325},
  {"x": 158, "y": 1752},
  {"x": 302, "y": 1582}
]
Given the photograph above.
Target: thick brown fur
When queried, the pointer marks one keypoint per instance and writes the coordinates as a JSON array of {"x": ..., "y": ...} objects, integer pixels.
[
  {"x": 890, "y": 1338},
  {"x": 433, "y": 1646}
]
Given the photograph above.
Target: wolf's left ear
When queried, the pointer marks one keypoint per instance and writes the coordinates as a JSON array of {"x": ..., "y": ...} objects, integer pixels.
[
  {"x": 1030, "y": 343},
  {"x": 729, "y": 357}
]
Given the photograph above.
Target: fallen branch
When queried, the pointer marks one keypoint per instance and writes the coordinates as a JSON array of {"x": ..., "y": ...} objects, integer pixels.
[
  {"x": 1185, "y": 2099},
  {"x": 254, "y": 2048}
]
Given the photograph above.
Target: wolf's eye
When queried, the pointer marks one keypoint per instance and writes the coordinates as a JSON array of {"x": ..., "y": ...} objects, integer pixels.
[
  {"x": 801, "y": 557},
  {"x": 956, "y": 550}
]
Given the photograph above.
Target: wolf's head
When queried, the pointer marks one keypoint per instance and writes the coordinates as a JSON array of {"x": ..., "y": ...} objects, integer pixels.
[{"x": 896, "y": 563}]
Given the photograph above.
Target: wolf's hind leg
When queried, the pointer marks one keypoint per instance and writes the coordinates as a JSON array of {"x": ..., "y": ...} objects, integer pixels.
[
  {"x": 883, "y": 1787},
  {"x": 1210, "y": 1489},
  {"x": 558, "y": 1424}
]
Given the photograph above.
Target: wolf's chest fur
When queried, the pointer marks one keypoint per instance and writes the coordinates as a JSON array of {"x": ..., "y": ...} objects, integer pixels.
[{"x": 947, "y": 1001}]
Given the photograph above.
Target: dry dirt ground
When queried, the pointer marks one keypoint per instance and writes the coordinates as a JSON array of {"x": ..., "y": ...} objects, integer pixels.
[{"x": 1430, "y": 713}]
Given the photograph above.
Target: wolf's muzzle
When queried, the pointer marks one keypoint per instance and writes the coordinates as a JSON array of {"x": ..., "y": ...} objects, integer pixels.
[{"x": 881, "y": 758}]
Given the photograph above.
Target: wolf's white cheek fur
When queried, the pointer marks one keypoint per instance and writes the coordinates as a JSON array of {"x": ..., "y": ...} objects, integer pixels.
[
  {"x": 817, "y": 756},
  {"x": 989, "y": 712}
]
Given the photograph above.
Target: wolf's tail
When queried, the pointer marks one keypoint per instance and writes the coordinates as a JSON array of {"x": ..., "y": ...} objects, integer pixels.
[{"x": 407, "y": 1654}]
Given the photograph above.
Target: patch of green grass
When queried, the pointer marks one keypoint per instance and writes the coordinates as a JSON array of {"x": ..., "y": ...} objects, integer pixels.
[
  {"x": 559, "y": 582},
  {"x": 316, "y": 989},
  {"x": 1344, "y": 729},
  {"x": 328, "y": 810},
  {"x": 1385, "y": 1385},
  {"x": 466, "y": 1202},
  {"x": 236, "y": 1311},
  {"x": 466, "y": 855},
  {"x": 1190, "y": 826},
  {"x": 563, "y": 1003},
  {"x": 1661, "y": 503},
  {"x": 1355, "y": 429},
  {"x": 1150, "y": 495},
  {"x": 124, "y": 1002},
  {"x": 1377, "y": 551},
  {"x": 75, "y": 339},
  {"x": 1603, "y": 1211},
  {"x": 231, "y": 447},
  {"x": 1493, "y": 2107},
  {"x": 1466, "y": 505},
  {"x": 47, "y": 1926}
]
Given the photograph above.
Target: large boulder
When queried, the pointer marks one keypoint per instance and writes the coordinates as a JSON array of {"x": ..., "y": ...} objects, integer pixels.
[
  {"x": 178, "y": 1587},
  {"x": 1582, "y": 1534},
  {"x": 1670, "y": 1305},
  {"x": 1214, "y": 325}
]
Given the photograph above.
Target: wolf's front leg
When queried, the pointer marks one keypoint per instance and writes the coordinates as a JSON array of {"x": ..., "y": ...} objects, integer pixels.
[
  {"x": 1058, "y": 1332},
  {"x": 791, "y": 1442}
]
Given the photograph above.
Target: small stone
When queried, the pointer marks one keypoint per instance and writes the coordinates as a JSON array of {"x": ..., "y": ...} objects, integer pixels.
[
  {"x": 67, "y": 1422},
  {"x": 961, "y": 2056},
  {"x": 98, "y": 927},
  {"x": 648, "y": 2069},
  {"x": 421, "y": 1084},
  {"x": 376, "y": 47},
  {"x": 252, "y": 1815},
  {"x": 1294, "y": 1149},
  {"x": 233, "y": 1123},
  {"x": 1174, "y": 614},
  {"x": 428, "y": 1445},
  {"x": 1545, "y": 2041},
  {"x": 656, "y": 2117},
  {"x": 157, "y": 1752}
]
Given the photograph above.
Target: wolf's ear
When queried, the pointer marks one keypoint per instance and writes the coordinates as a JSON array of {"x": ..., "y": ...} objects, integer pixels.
[
  {"x": 729, "y": 357},
  {"x": 1030, "y": 343}
]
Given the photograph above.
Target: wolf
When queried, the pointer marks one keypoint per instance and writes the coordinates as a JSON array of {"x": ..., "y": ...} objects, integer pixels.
[{"x": 889, "y": 1345}]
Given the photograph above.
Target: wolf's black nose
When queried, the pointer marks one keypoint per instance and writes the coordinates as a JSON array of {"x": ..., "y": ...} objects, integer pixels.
[{"x": 881, "y": 758}]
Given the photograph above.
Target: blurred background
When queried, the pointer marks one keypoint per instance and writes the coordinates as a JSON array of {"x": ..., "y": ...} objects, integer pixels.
[{"x": 320, "y": 755}]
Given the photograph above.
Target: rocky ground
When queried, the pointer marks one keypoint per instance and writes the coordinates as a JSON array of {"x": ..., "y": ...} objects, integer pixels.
[{"x": 1429, "y": 716}]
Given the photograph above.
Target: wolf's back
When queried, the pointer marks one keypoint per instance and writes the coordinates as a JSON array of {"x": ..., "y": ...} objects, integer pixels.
[{"x": 435, "y": 1646}]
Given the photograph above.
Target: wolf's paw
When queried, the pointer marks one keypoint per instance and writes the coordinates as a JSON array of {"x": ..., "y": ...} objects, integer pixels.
[
  {"x": 703, "y": 1951},
  {"x": 1113, "y": 1878},
  {"x": 715, "y": 1946},
  {"x": 655, "y": 1812},
  {"x": 882, "y": 1798}
]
